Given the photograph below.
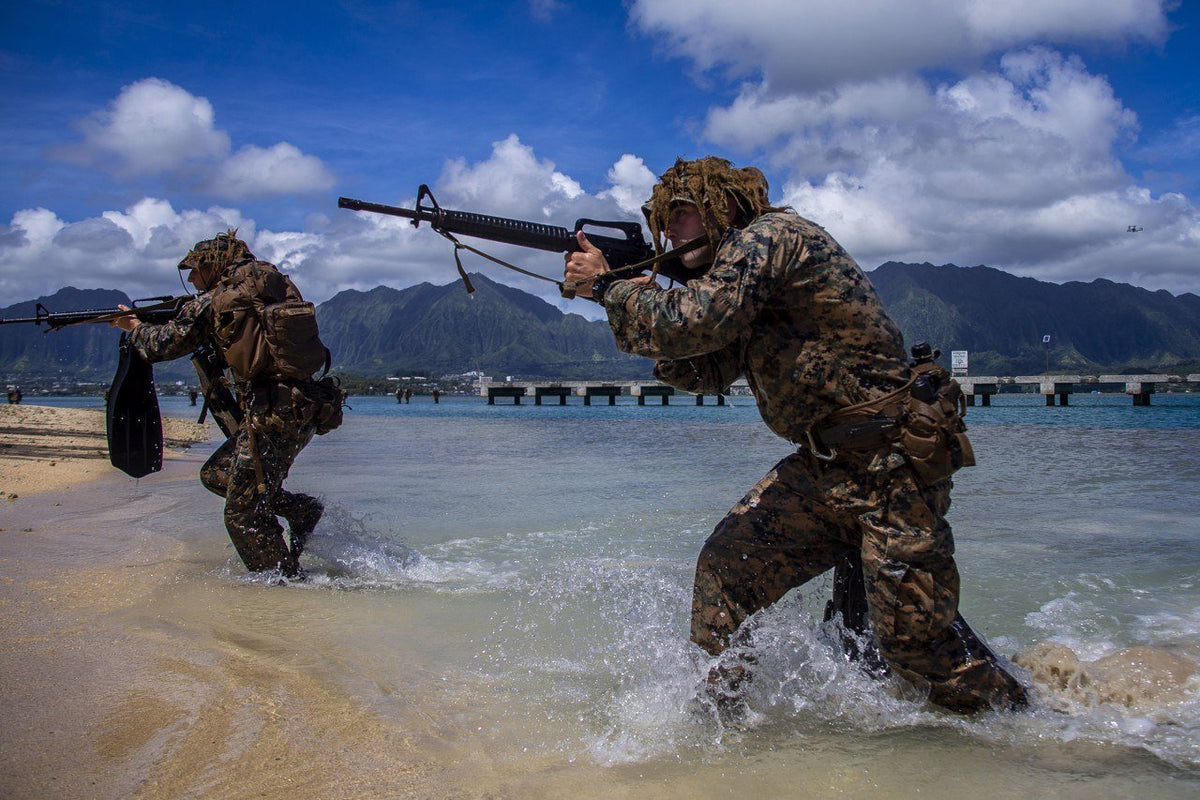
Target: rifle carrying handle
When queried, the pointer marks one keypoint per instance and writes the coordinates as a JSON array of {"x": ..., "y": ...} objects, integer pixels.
[{"x": 632, "y": 230}]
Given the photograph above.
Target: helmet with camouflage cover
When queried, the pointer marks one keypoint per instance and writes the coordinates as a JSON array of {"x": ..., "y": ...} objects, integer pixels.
[
  {"x": 709, "y": 183},
  {"x": 220, "y": 252}
]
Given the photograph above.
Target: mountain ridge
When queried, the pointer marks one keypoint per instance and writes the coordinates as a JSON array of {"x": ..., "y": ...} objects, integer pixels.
[{"x": 999, "y": 318}]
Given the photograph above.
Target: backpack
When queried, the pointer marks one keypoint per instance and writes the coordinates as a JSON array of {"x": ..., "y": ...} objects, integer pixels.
[{"x": 264, "y": 327}]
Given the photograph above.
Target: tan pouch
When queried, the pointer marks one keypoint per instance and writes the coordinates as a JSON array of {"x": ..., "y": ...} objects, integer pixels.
[
  {"x": 323, "y": 401},
  {"x": 926, "y": 442}
]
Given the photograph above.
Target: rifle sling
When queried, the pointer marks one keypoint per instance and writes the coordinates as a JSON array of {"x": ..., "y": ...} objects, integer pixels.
[
  {"x": 463, "y": 273},
  {"x": 563, "y": 288},
  {"x": 687, "y": 247}
]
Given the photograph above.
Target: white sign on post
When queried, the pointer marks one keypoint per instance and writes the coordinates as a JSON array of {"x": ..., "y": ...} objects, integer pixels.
[{"x": 958, "y": 362}]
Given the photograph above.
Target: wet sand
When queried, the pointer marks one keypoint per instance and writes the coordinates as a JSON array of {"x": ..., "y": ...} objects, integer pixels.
[
  {"x": 111, "y": 688},
  {"x": 111, "y": 684}
]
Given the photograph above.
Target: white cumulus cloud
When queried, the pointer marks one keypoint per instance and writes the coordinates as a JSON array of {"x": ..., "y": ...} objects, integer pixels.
[
  {"x": 803, "y": 45},
  {"x": 134, "y": 249},
  {"x": 512, "y": 182},
  {"x": 155, "y": 128},
  {"x": 152, "y": 126},
  {"x": 280, "y": 169},
  {"x": 631, "y": 183}
]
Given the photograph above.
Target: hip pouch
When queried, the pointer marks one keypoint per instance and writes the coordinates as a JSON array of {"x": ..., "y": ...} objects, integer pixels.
[
  {"x": 320, "y": 402},
  {"x": 933, "y": 435}
]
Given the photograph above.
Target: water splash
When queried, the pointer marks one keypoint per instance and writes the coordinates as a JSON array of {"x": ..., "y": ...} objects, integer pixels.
[{"x": 348, "y": 552}]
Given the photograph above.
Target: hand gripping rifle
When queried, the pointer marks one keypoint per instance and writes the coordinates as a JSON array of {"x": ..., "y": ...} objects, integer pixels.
[{"x": 628, "y": 253}]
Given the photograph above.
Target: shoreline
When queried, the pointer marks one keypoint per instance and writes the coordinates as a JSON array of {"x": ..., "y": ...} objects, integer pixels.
[{"x": 45, "y": 448}]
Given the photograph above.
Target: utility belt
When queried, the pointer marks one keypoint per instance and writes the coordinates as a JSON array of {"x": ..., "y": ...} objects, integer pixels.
[
  {"x": 867, "y": 433},
  {"x": 923, "y": 420},
  {"x": 317, "y": 401},
  {"x": 268, "y": 392}
]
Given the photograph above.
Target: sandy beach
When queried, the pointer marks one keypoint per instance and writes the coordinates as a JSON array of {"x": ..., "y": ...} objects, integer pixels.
[
  {"x": 137, "y": 659},
  {"x": 43, "y": 449}
]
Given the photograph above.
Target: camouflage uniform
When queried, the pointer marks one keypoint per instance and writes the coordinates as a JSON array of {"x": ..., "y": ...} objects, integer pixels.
[
  {"x": 787, "y": 307},
  {"x": 274, "y": 426}
]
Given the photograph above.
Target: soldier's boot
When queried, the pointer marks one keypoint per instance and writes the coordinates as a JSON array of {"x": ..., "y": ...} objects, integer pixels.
[
  {"x": 978, "y": 686},
  {"x": 963, "y": 674},
  {"x": 302, "y": 522},
  {"x": 262, "y": 549},
  {"x": 723, "y": 693}
]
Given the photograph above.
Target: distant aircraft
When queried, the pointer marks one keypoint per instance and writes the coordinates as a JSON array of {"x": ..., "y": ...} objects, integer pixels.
[{"x": 1133, "y": 229}]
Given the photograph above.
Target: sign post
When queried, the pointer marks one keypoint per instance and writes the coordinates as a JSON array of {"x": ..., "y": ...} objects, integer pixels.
[{"x": 958, "y": 362}]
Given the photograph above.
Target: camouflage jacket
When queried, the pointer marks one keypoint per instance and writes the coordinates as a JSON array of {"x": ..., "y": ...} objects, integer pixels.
[
  {"x": 784, "y": 305},
  {"x": 192, "y": 328}
]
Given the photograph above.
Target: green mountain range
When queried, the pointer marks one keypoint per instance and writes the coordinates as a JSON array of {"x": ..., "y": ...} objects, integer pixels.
[
  {"x": 998, "y": 318},
  {"x": 439, "y": 330},
  {"x": 1001, "y": 320}
]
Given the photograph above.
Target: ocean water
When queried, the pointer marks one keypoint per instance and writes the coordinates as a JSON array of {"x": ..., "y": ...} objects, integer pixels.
[{"x": 514, "y": 583}]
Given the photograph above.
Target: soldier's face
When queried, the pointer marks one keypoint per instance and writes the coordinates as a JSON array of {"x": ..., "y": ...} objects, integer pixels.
[
  {"x": 683, "y": 225},
  {"x": 202, "y": 277}
]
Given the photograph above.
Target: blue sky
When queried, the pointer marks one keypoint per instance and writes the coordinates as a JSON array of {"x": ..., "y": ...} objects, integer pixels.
[{"x": 1026, "y": 135}]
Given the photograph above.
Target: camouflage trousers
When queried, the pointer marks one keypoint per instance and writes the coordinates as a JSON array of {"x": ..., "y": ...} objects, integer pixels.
[
  {"x": 251, "y": 506},
  {"x": 799, "y": 520}
]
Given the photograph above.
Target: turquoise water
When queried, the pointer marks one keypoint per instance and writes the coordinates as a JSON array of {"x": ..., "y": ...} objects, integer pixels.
[{"x": 549, "y": 551}]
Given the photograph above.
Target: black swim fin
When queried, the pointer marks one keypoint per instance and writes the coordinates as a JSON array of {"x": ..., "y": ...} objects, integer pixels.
[
  {"x": 850, "y": 601},
  {"x": 135, "y": 437}
]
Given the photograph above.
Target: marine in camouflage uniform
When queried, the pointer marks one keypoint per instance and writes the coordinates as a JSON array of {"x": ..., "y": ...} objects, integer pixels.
[
  {"x": 248, "y": 470},
  {"x": 786, "y": 306}
]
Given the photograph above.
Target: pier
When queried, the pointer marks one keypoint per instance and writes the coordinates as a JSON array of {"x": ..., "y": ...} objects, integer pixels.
[
  {"x": 1057, "y": 389},
  {"x": 602, "y": 392}
]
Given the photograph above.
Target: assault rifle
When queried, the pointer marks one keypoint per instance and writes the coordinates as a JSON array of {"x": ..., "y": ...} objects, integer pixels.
[
  {"x": 630, "y": 251},
  {"x": 163, "y": 309},
  {"x": 217, "y": 391}
]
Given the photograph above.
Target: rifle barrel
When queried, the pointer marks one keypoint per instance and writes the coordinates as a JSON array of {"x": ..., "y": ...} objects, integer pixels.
[
  {"x": 522, "y": 233},
  {"x": 380, "y": 208}
]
